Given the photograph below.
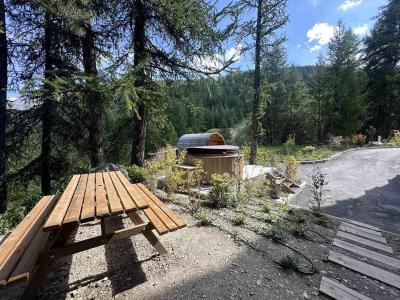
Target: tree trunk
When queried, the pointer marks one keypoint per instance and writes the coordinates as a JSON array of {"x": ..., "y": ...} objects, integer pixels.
[
  {"x": 140, "y": 121},
  {"x": 47, "y": 109},
  {"x": 3, "y": 107},
  {"x": 257, "y": 84},
  {"x": 94, "y": 101}
]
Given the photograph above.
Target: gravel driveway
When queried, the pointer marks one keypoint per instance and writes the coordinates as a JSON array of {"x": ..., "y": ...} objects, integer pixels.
[{"x": 362, "y": 185}]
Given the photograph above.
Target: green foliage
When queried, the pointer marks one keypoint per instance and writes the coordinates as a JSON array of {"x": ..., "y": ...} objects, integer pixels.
[
  {"x": 221, "y": 190},
  {"x": 291, "y": 167},
  {"x": 203, "y": 217},
  {"x": 136, "y": 174},
  {"x": 300, "y": 229},
  {"x": 307, "y": 150},
  {"x": 278, "y": 232},
  {"x": 289, "y": 263},
  {"x": 395, "y": 140},
  {"x": 290, "y": 143},
  {"x": 239, "y": 219}
]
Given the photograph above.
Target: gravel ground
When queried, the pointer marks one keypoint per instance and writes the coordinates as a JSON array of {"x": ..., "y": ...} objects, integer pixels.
[{"x": 222, "y": 261}]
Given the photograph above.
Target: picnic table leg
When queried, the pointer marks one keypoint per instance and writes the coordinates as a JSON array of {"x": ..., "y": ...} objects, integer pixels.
[
  {"x": 148, "y": 234},
  {"x": 45, "y": 262}
]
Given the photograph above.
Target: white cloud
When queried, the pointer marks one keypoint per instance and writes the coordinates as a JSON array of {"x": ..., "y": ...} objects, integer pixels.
[
  {"x": 361, "y": 30},
  {"x": 315, "y": 48},
  {"x": 322, "y": 33},
  {"x": 234, "y": 53},
  {"x": 346, "y": 5}
]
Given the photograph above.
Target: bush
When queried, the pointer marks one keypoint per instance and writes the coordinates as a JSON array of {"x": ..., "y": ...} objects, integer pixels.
[
  {"x": 278, "y": 233},
  {"x": 203, "y": 217},
  {"x": 307, "y": 150},
  {"x": 359, "y": 139},
  {"x": 318, "y": 183},
  {"x": 335, "y": 141},
  {"x": 300, "y": 229},
  {"x": 395, "y": 140},
  {"x": 289, "y": 263},
  {"x": 291, "y": 166},
  {"x": 136, "y": 174},
  {"x": 290, "y": 143},
  {"x": 220, "y": 195},
  {"x": 239, "y": 219}
]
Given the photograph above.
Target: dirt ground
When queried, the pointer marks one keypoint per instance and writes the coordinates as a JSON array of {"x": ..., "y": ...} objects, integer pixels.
[{"x": 222, "y": 261}]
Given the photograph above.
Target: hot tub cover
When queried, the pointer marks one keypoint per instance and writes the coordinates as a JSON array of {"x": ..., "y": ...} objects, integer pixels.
[{"x": 200, "y": 139}]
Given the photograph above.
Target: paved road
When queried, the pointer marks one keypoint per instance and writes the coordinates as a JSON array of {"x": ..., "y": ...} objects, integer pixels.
[{"x": 362, "y": 185}]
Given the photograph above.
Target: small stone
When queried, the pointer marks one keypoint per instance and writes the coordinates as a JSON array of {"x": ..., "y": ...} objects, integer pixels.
[
  {"x": 204, "y": 296},
  {"x": 252, "y": 293},
  {"x": 323, "y": 272},
  {"x": 258, "y": 282},
  {"x": 305, "y": 295}
]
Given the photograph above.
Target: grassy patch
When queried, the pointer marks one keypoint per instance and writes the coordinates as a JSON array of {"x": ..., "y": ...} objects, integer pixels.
[
  {"x": 289, "y": 263},
  {"x": 239, "y": 219},
  {"x": 204, "y": 218}
]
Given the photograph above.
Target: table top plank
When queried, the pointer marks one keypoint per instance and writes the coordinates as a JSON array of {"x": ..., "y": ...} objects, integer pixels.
[
  {"x": 137, "y": 199},
  {"x": 57, "y": 215},
  {"x": 177, "y": 220},
  {"x": 126, "y": 200},
  {"x": 74, "y": 210},
  {"x": 101, "y": 200},
  {"x": 88, "y": 207},
  {"x": 156, "y": 209},
  {"x": 112, "y": 195}
]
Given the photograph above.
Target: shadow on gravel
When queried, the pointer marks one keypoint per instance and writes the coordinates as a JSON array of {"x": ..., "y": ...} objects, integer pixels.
[
  {"x": 124, "y": 270},
  {"x": 379, "y": 206}
]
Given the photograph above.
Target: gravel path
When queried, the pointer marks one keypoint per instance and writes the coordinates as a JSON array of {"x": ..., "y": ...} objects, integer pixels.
[{"x": 362, "y": 185}]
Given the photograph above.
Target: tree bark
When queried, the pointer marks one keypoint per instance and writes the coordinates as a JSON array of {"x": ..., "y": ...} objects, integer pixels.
[
  {"x": 47, "y": 108},
  {"x": 140, "y": 121},
  {"x": 94, "y": 101},
  {"x": 3, "y": 106},
  {"x": 257, "y": 84}
]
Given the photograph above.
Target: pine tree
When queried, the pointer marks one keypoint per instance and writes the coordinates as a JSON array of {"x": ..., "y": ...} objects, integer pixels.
[
  {"x": 263, "y": 30},
  {"x": 382, "y": 58},
  {"x": 3, "y": 105}
]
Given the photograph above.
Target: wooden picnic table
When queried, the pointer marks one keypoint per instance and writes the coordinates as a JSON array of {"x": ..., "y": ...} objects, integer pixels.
[{"x": 27, "y": 254}]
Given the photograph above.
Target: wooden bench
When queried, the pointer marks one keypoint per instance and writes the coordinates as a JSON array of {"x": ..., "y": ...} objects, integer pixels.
[{"x": 19, "y": 252}]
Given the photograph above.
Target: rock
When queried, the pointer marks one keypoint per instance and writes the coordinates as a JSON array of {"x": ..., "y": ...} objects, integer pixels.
[
  {"x": 258, "y": 282},
  {"x": 305, "y": 295},
  {"x": 252, "y": 293},
  {"x": 323, "y": 272}
]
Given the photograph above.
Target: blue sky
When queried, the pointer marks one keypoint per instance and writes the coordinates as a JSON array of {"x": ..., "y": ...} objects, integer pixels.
[{"x": 311, "y": 24}]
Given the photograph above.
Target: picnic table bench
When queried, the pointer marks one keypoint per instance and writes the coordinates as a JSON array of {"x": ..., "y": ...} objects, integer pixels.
[{"x": 42, "y": 236}]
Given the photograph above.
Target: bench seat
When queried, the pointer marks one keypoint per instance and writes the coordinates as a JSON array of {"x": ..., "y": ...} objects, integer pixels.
[
  {"x": 162, "y": 217},
  {"x": 19, "y": 252}
]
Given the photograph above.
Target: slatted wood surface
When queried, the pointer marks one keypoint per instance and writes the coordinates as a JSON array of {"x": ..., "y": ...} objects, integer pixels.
[
  {"x": 163, "y": 218},
  {"x": 362, "y": 224},
  {"x": 338, "y": 291},
  {"x": 363, "y": 234},
  {"x": 367, "y": 230},
  {"x": 366, "y": 242},
  {"x": 384, "y": 259},
  {"x": 364, "y": 268},
  {"x": 20, "y": 250},
  {"x": 96, "y": 195}
]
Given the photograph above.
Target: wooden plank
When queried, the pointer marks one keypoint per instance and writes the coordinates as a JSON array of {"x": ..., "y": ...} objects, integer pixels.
[
  {"x": 101, "y": 200},
  {"x": 366, "y": 242},
  {"x": 13, "y": 248},
  {"x": 177, "y": 220},
  {"x": 156, "y": 209},
  {"x": 362, "y": 224},
  {"x": 88, "y": 207},
  {"x": 363, "y": 234},
  {"x": 364, "y": 268},
  {"x": 153, "y": 218},
  {"x": 139, "y": 201},
  {"x": 370, "y": 231},
  {"x": 338, "y": 291},
  {"x": 57, "y": 215},
  {"x": 387, "y": 260},
  {"x": 126, "y": 199},
  {"x": 112, "y": 196},
  {"x": 74, "y": 210}
]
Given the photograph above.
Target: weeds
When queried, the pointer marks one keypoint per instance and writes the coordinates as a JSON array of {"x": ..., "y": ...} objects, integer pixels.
[
  {"x": 300, "y": 229},
  {"x": 221, "y": 195},
  {"x": 236, "y": 235},
  {"x": 239, "y": 219},
  {"x": 204, "y": 218},
  {"x": 318, "y": 183},
  {"x": 289, "y": 263},
  {"x": 278, "y": 233}
]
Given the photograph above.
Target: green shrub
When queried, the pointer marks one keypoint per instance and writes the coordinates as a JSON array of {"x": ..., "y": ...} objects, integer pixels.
[
  {"x": 395, "y": 140},
  {"x": 318, "y": 183},
  {"x": 291, "y": 167},
  {"x": 136, "y": 174},
  {"x": 307, "y": 150},
  {"x": 239, "y": 219},
  {"x": 289, "y": 263},
  {"x": 203, "y": 217},
  {"x": 290, "y": 143},
  {"x": 300, "y": 229},
  {"x": 278, "y": 233},
  {"x": 221, "y": 195}
]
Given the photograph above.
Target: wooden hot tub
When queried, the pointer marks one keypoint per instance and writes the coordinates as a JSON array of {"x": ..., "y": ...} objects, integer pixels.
[{"x": 216, "y": 160}]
